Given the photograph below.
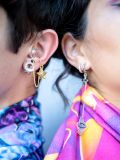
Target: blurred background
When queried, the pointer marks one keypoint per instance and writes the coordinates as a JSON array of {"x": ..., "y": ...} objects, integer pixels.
[{"x": 53, "y": 109}]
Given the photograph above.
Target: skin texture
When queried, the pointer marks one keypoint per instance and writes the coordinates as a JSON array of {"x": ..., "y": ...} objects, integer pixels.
[
  {"x": 15, "y": 84},
  {"x": 100, "y": 49}
]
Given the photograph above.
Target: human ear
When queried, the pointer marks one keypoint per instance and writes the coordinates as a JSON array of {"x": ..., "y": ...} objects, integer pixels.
[
  {"x": 74, "y": 51},
  {"x": 43, "y": 47}
]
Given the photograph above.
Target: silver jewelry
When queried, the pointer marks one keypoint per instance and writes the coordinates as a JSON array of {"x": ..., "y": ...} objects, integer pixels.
[
  {"x": 29, "y": 65},
  {"x": 82, "y": 68},
  {"x": 81, "y": 125}
]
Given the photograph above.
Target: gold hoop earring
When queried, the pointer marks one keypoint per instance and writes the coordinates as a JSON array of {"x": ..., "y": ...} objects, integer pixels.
[{"x": 41, "y": 74}]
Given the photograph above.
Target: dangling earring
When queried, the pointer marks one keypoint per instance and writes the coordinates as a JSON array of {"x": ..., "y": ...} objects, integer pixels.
[
  {"x": 41, "y": 74},
  {"x": 81, "y": 125},
  {"x": 29, "y": 67}
]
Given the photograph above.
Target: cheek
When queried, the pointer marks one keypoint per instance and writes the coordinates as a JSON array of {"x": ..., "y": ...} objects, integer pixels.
[
  {"x": 9, "y": 70},
  {"x": 104, "y": 55},
  {"x": 104, "y": 27},
  {"x": 105, "y": 63},
  {"x": 103, "y": 41}
]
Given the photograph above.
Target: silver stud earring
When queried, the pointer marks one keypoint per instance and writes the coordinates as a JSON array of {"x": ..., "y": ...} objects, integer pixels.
[{"x": 82, "y": 67}]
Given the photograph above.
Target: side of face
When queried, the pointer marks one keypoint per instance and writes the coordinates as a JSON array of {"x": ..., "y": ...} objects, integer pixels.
[
  {"x": 103, "y": 42},
  {"x": 100, "y": 49},
  {"x": 11, "y": 64}
]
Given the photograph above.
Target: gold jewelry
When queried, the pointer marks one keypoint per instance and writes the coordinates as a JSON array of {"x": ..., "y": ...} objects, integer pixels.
[{"x": 41, "y": 74}]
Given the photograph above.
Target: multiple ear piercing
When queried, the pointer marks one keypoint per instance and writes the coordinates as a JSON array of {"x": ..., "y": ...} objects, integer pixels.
[{"x": 29, "y": 67}]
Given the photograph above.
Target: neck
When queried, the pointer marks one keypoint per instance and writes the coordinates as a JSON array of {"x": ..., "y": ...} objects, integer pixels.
[
  {"x": 113, "y": 96},
  {"x": 19, "y": 91}
]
